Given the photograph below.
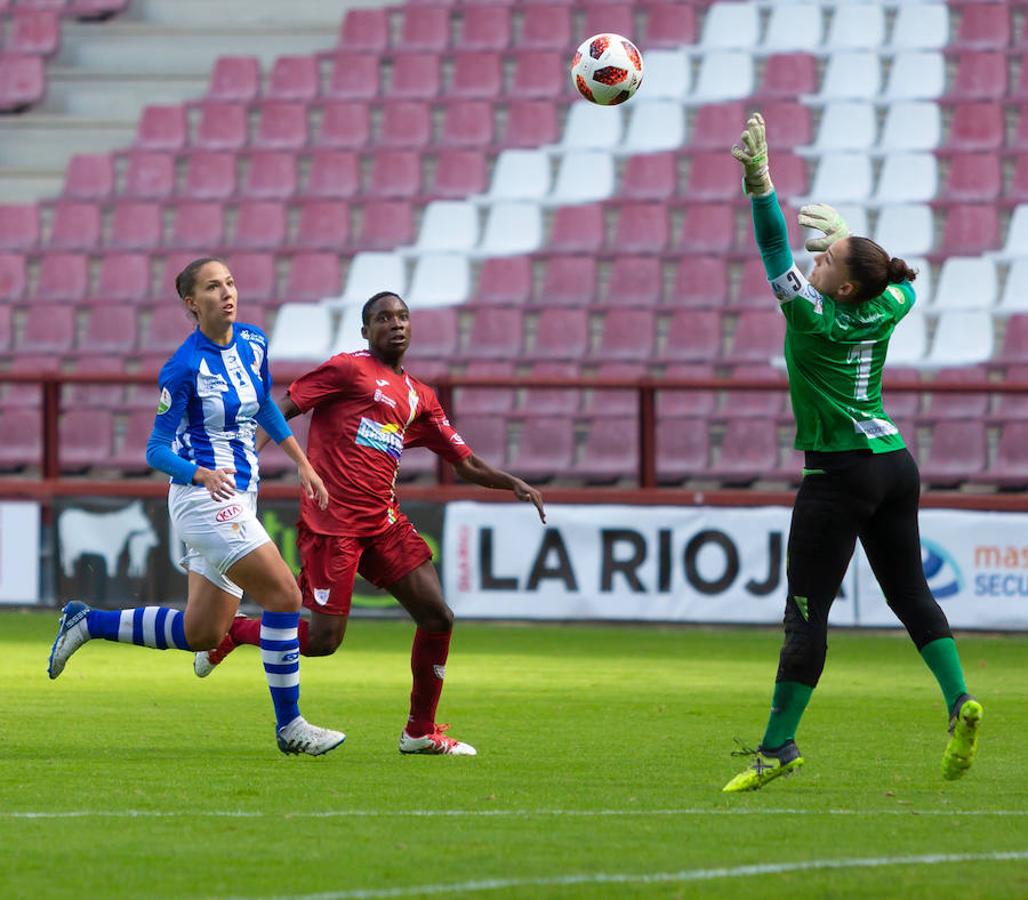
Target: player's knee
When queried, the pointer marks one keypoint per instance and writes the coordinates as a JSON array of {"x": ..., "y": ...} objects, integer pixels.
[
  {"x": 283, "y": 596},
  {"x": 437, "y": 619},
  {"x": 323, "y": 644},
  {"x": 204, "y": 636}
]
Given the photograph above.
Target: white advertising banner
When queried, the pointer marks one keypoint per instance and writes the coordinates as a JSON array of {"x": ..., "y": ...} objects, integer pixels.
[
  {"x": 19, "y": 552},
  {"x": 977, "y": 568},
  {"x": 657, "y": 563}
]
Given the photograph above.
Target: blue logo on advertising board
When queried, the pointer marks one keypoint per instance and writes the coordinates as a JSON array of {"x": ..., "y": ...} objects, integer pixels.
[{"x": 941, "y": 570}]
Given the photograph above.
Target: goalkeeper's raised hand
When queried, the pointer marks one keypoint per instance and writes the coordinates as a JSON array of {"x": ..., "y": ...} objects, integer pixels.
[
  {"x": 823, "y": 218},
  {"x": 753, "y": 155}
]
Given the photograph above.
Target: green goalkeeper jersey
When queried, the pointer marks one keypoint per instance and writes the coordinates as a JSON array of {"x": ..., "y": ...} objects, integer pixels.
[{"x": 835, "y": 352}]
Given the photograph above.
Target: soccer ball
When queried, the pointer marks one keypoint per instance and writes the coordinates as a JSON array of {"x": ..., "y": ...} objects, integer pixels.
[{"x": 607, "y": 69}]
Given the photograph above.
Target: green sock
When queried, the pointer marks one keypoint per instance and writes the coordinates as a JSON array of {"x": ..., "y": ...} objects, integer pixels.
[
  {"x": 790, "y": 700},
  {"x": 942, "y": 658}
]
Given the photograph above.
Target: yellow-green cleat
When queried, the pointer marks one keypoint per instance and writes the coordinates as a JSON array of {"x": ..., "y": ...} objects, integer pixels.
[
  {"x": 963, "y": 742},
  {"x": 767, "y": 765}
]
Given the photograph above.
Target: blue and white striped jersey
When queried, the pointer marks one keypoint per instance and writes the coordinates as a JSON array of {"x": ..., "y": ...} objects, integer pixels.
[{"x": 212, "y": 399}]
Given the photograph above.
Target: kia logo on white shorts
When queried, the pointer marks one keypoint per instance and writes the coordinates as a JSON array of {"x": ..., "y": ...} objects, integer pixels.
[{"x": 229, "y": 513}]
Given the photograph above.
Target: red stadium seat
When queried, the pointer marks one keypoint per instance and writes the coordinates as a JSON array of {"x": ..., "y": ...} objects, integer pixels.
[
  {"x": 89, "y": 176},
  {"x": 1010, "y": 467},
  {"x": 405, "y": 123},
  {"x": 628, "y": 335},
  {"x": 395, "y": 173},
  {"x": 650, "y": 176},
  {"x": 496, "y": 334},
  {"x": 149, "y": 175},
  {"x": 970, "y": 228},
  {"x": 222, "y": 126},
  {"x": 13, "y": 278},
  {"x": 294, "y": 78},
  {"x": 980, "y": 76},
  {"x": 976, "y": 126},
  {"x": 693, "y": 336},
  {"x": 255, "y": 276},
  {"x": 635, "y": 281},
  {"x": 642, "y": 228},
  {"x": 485, "y": 28},
  {"x": 210, "y": 175},
  {"x": 712, "y": 177},
  {"x": 415, "y": 76},
  {"x": 538, "y": 74},
  {"x": 124, "y": 277},
  {"x": 605, "y": 17},
  {"x": 983, "y": 27},
  {"x": 973, "y": 177},
  {"x": 323, "y": 225},
  {"x": 608, "y": 402},
  {"x": 957, "y": 452},
  {"x": 673, "y": 404},
  {"x": 86, "y": 438},
  {"x": 35, "y": 32},
  {"x": 552, "y": 401},
  {"x": 437, "y": 332},
  {"x": 742, "y": 404},
  {"x": 670, "y": 26},
  {"x": 791, "y": 176},
  {"x": 546, "y": 28},
  {"x": 789, "y": 75},
  {"x": 167, "y": 327},
  {"x": 716, "y": 126},
  {"x": 314, "y": 277},
  {"x": 109, "y": 396},
  {"x": 902, "y": 404},
  {"x": 130, "y": 456},
  {"x": 281, "y": 126},
  {"x": 162, "y": 128},
  {"x": 561, "y": 334},
  {"x": 1013, "y": 407},
  {"x": 199, "y": 225},
  {"x": 486, "y": 436},
  {"x": 569, "y": 281},
  {"x": 21, "y": 437},
  {"x": 354, "y": 76},
  {"x": 110, "y": 330},
  {"x": 495, "y": 401},
  {"x": 48, "y": 329},
  {"x": 956, "y": 406},
  {"x": 63, "y": 277},
  {"x": 792, "y": 120},
  {"x": 235, "y": 79},
  {"x": 27, "y": 394},
  {"x": 683, "y": 450},
  {"x": 1020, "y": 136},
  {"x": 387, "y": 224},
  {"x": 459, "y": 174},
  {"x": 19, "y": 226},
  {"x": 759, "y": 336},
  {"x": 1015, "y": 340},
  {"x": 425, "y": 28},
  {"x": 468, "y": 123},
  {"x": 754, "y": 290},
  {"x": 546, "y": 448},
  {"x": 270, "y": 175},
  {"x": 22, "y": 82},
  {"x": 365, "y": 29},
  {"x": 76, "y": 226},
  {"x": 610, "y": 451},
  {"x": 5, "y": 322},
  {"x": 504, "y": 280},
  {"x": 260, "y": 225},
  {"x": 577, "y": 229},
  {"x": 749, "y": 450},
  {"x": 701, "y": 282},
  {"x": 333, "y": 174},
  {"x": 531, "y": 123},
  {"x": 707, "y": 228},
  {"x": 476, "y": 76}
]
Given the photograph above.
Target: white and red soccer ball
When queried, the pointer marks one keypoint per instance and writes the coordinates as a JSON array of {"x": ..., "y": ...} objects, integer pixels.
[{"x": 607, "y": 69}]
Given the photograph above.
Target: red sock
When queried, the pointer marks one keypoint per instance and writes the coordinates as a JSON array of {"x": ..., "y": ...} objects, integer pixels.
[
  {"x": 248, "y": 631},
  {"x": 428, "y": 666}
]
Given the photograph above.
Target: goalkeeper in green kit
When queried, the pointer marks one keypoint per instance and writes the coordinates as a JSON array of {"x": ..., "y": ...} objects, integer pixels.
[{"x": 859, "y": 481}]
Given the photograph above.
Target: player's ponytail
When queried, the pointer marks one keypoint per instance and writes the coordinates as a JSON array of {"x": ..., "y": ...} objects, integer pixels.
[{"x": 873, "y": 269}]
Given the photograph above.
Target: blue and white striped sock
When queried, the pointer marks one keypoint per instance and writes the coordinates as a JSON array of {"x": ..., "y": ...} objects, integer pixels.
[
  {"x": 148, "y": 626},
  {"x": 280, "y": 651}
]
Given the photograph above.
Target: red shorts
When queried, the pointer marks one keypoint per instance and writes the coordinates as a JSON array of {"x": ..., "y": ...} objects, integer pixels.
[{"x": 330, "y": 562}]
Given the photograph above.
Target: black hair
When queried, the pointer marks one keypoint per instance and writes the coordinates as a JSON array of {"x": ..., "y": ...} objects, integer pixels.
[
  {"x": 873, "y": 269},
  {"x": 373, "y": 299},
  {"x": 185, "y": 281}
]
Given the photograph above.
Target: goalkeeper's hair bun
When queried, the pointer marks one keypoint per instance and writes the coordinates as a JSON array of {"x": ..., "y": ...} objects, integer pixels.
[
  {"x": 900, "y": 271},
  {"x": 873, "y": 269}
]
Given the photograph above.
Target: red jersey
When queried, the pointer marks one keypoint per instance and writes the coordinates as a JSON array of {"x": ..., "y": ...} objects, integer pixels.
[{"x": 364, "y": 415}]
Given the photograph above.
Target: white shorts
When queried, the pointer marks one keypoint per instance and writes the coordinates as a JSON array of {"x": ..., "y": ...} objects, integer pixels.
[{"x": 216, "y": 533}]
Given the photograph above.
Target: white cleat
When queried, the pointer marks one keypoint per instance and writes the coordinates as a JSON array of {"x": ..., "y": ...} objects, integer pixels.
[
  {"x": 299, "y": 736},
  {"x": 202, "y": 664},
  {"x": 72, "y": 633},
  {"x": 436, "y": 743}
]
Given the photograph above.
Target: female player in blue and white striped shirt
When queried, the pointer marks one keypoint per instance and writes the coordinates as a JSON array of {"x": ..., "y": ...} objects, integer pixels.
[{"x": 215, "y": 391}]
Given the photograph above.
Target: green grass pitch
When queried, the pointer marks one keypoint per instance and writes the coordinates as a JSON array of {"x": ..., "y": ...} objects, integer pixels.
[{"x": 602, "y": 753}]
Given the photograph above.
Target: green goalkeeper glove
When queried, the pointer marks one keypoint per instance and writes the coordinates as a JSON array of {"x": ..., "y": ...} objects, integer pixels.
[
  {"x": 753, "y": 156},
  {"x": 821, "y": 217}
]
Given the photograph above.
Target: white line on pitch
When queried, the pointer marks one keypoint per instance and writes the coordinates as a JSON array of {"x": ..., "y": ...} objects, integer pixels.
[
  {"x": 499, "y": 884},
  {"x": 489, "y": 813}
]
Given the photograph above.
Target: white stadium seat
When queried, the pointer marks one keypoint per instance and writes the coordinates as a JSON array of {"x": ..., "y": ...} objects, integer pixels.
[
  {"x": 348, "y": 336},
  {"x": 909, "y": 342},
  {"x": 592, "y": 127},
  {"x": 731, "y": 25},
  {"x": 667, "y": 75},
  {"x": 966, "y": 282},
  {"x": 447, "y": 225},
  {"x": 655, "y": 125},
  {"x": 855, "y": 74},
  {"x": 724, "y": 75},
  {"x": 370, "y": 273},
  {"x": 857, "y": 27},
  {"x": 584, "y": 176},
  {"x": 916, "y": 75},
  {"x": 962, "y": 337},
  {"x": 847, "y": 125},
  {"x": 912, "y": 177},
  {"x": 912, "y": 125},
  {"x": 440, "y": 279},
  {"x": 512, "y": 228},
  {"x": 905, "y": 228},
  {"x": 520, "y": 175},
  {"x": 924, "y": 285},
  {"x": 1015, "y": 293},
  {"x": 1017, "y": 232},
  {"x": 842, "y": 177},
  {"x": 302, "y": 331},
  {"x": 918, "y": 26},
  {"x": 792, "y": 27}
]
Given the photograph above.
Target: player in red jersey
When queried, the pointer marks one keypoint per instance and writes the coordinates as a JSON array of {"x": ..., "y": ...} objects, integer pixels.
[{"x": 366, "y": 409}]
